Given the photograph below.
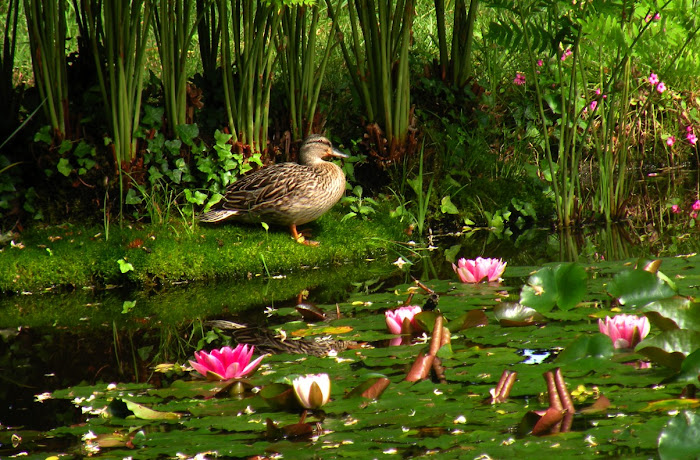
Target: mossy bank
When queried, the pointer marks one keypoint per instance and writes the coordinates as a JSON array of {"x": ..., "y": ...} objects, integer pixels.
[{"x": 70, "y": 255}]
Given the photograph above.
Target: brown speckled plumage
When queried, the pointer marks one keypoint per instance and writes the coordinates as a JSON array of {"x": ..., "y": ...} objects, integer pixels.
[{"x": 288, "y": 194}]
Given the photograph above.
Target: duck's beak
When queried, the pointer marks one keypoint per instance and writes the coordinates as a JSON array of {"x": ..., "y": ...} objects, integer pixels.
[{"x": 337, "y": 154}]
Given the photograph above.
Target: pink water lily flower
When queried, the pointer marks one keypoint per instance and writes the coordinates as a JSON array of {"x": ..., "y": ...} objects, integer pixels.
[
  {"x": 226, "y": 363},
  {"x": 626, "y": 331},
  {"x": 474, "y": 271},
  {"x": 395, "y": 318},
  {"x": 312, "y": 390}
]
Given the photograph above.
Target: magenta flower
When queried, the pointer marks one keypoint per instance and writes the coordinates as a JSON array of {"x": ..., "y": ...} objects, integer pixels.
[
  {"x": 519, "y": 79},
  {"x": 675, "y": 209},
  {"x": 670, "y": 141},
  {"x": 692, "y": 138},
  {"x": 312, "y": 390},
  {"x": 226, "y": 363},
  {"x": 626, "y": 331},
  {"x": 540, "y": 63},
  {"x": 653, "y": 79},
  {"x": 395, "y": 318},
  {"x": 594, "y": 104},
  {"x": 566, "y": 54},
  {"x": 657, "y": 16},
  {"x": 473, "y": 271},
  {"x": 696, "y": 205},
  {"x": 694, "y": 215},
  {"x": 661, "y": 87}
]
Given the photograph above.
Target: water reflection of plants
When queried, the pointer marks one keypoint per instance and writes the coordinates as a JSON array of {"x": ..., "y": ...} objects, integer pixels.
[{"x": 450, "y": 378}]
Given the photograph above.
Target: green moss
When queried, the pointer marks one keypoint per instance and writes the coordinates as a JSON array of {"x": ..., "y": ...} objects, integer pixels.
[{"x": 69, "y": 255}]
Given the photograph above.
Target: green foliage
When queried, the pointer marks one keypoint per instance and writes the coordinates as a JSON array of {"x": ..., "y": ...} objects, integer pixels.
[
  {"x": 563, "y": 285},
  {"x": 359, "y": 205}
]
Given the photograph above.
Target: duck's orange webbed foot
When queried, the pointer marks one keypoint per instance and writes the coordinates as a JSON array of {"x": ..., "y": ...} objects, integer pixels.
[{"x": 299, "y": 236}]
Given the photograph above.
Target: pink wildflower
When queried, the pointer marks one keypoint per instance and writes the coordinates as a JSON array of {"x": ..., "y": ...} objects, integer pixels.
[
  {"x": 594, "y": 104},
  {"x": 540, "y": 63},
  {"x": 226, "y": 363},
  {"x": 626, "y": 331},
  {"x": 670, "y": 141},
  {"x": 696, "y": 205},
  {"x": 597, "y": 91},
  {"x": 653, "y": 79},
  {"x": 395, "y": 318},
  {"x": 675, "y": 209},
  {"x": 657, "y": 16},
  {"x": 473, "y": 271},
  {"x": 661, "y": 87},
  {"x": 566, "y": 54},
  {"x": 694, "y": 215},
  {"x": 519, "y": 79},
  {"x": 692, "y": 138}
]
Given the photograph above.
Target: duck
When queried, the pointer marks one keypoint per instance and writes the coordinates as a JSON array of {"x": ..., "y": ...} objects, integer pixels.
[{"x": 286, "y": 194}]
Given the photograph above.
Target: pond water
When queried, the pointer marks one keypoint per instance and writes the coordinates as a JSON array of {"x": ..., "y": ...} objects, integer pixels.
[{"x": 86, "y": 373}]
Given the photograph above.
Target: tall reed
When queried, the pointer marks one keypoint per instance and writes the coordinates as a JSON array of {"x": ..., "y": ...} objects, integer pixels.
[
  {"x": 7, "y": 61},
  {"x": 174, "y": 30},
  {"x": 119, "y": 47},
  {"x": 302, "y": 67},
  {"x": 248, "y": 29},
  {"x": 46, "y": 22},
  {"x": 376, "y": 54},
  {"x": 456, "y": 61}
]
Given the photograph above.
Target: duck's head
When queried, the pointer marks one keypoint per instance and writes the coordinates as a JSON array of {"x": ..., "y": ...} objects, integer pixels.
[{"x": 316, "y": 148}]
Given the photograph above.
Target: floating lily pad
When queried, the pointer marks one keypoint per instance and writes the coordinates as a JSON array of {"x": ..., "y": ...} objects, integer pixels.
[
  {"x": 472, "y": 318},
  {"x": 679, "y": 437},
  {"x": 638, "y": 287},
  {"x": 563, "y": 285},
  {"x": 122, "y": 408},
  {"x": 597, "y": 346},
  {"x": 670, "y": 347},
  {"x": 514, "y": 314},
  {"x": 674, "y": 313}
]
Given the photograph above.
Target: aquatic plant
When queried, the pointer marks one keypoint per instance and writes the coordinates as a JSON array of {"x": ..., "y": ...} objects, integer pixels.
[
  {"x": 226, "y": 363},
  {"x": 625, "y": 331},
  {"x": 395, "y": 318},
  {"x": 312, "y": 390},
  {"x": 474, "y": 271}
]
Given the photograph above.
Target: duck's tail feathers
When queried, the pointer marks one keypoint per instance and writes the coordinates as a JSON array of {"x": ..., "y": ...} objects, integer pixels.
[{"x": 216, "y": 215}]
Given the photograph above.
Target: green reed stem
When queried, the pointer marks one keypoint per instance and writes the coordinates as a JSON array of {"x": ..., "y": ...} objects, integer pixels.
[
  {"x": 46, "y": 22},
  {"x": 376, "y": 57},
  {"x": 301, "y": 72},
  {"x": 247, "y": 68}
]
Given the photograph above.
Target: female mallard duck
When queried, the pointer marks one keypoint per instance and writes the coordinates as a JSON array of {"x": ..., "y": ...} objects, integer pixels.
[{"x": 286, "y": 193}]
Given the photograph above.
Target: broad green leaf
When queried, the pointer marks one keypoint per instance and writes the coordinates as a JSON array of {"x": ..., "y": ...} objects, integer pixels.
[
  {"x": 638, "y": 287},
  {"x": 670, "y": 347},
  {"x": 674, "y": 313},
  {"x": 587, "y": 346},
  {"x": 563, "y": 285},
  {"x": 679, "y": 438}
]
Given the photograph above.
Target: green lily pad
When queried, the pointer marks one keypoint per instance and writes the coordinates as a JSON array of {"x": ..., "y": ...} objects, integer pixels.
[
  {"x": 674, "y": 313},
  {"x": 122, "y": 407},
  {"x": 679, "y": 437},
  {"x": 638, "y": 287},
  {"x": 597, "y": 346},
  {"x": 515, "y": 314},
  {"x": 563, "y": 285},
  {"x": 670, "y": 347}
]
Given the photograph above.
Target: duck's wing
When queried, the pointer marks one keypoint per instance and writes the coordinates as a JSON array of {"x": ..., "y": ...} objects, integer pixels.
[{"x": 264, "y": 187}]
